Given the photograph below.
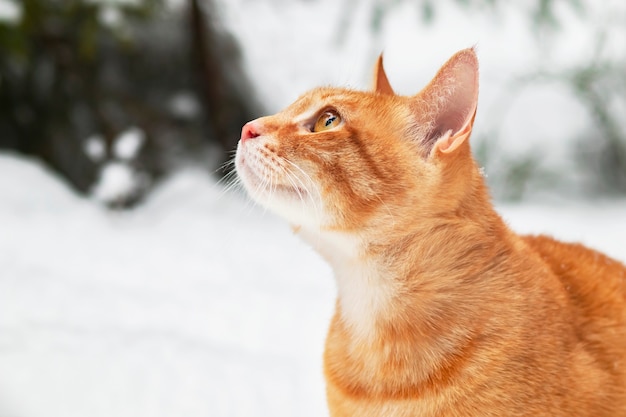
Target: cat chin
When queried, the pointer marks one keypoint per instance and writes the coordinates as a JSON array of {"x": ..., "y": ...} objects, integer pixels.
[
  {"x": 289, "y": 201},
  {"x": 294, "y": 206},
  {"x": 266, "y": 192}
]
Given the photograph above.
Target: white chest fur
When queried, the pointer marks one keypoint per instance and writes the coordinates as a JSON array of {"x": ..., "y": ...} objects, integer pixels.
[{"x": 365, "y": 291}]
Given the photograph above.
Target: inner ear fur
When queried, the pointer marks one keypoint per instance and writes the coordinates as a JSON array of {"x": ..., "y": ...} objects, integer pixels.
[
  {"x": 449, "y": 142},
  {"x": 446, "y": 107}
]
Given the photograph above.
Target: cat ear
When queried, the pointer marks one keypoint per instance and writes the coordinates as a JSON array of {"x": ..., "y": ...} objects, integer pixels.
[
  {"x": 450, "y": 141},
  {"x": 449, "y": 102},
  {"x": 381, "y": 82}
]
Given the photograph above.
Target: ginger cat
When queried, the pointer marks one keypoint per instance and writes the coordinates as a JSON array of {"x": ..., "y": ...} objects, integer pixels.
[{"x": 441, "y": 310}]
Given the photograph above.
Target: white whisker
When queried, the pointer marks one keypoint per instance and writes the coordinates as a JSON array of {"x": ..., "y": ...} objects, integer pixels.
[
  {"x": 229, "y": 182},
  {"x": 316, "y": 209}
]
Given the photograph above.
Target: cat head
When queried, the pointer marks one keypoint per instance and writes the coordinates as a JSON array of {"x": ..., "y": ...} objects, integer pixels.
[{"x": 344, "y": 160}]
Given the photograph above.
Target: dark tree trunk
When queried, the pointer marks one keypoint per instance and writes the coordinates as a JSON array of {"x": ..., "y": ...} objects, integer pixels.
[
  {"x": 65, "y": 77},
  {"x": 227, "y": 94}
]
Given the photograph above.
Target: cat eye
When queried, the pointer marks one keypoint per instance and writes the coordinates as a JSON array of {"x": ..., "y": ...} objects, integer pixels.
[{"x": 327, "y": 120}]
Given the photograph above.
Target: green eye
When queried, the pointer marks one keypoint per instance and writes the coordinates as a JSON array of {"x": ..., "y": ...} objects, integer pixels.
[{"x": 327, "y": 120}]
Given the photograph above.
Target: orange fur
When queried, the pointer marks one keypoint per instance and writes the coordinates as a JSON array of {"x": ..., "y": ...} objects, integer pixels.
[{"x": 441, "y": 310}]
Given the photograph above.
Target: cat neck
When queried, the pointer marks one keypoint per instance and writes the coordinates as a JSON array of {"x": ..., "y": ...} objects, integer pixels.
[
  {"x": 389, "y": 274},
  {"x": 363, "y": 289}
]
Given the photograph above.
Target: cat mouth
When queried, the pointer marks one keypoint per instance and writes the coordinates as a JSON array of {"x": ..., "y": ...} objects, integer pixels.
[{"x": 268, "y": 186}]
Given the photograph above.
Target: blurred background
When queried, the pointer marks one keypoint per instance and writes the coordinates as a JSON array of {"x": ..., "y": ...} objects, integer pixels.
[
  {"x": 115, "y": 95},
  {"x": 132, "y": 284}
]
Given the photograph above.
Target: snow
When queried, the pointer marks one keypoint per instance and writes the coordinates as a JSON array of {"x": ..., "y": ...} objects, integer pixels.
[
  {"x": 10, "y": 11},
  {"x": 196, "y": 303},
  {"x": 128, "y": 3},
  {"x": 110, "y": 16},
  {"x": 95, "y": 148},
  {"x": 185, "y": 105},
  {"x": 118, "y": 182},
  {"x": 129, "y": 143},
  {"x": 193, "y": 304}
]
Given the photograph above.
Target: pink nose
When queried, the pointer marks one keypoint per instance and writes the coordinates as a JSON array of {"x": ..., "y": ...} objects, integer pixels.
[{"x": 249, "y": 131}]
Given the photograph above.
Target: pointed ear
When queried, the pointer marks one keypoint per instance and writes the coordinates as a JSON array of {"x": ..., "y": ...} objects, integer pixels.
[
  {"x": 381, "y": 83},
  {"x": 447, "y": 106}
]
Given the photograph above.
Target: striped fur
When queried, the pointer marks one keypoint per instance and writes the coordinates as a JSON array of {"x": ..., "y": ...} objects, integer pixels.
[{"x": 442, "y": 310}]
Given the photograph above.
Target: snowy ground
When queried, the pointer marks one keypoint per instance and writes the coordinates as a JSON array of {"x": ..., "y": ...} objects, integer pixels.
[{"x": 194, "y": 304}]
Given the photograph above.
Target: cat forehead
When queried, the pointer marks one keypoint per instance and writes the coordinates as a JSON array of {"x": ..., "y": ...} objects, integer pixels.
[
  {"x": 351, "y": 105},
  {"x": 313, "y": 101}
]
